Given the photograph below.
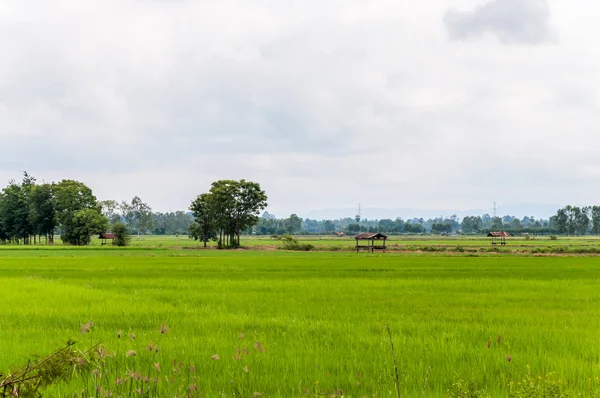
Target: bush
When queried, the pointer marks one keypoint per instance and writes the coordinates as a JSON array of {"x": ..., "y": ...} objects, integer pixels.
[
  {"x": 553, "y": 237},
  {"x": 122, "y": 237},
  {"x": 291, "y": 243}
]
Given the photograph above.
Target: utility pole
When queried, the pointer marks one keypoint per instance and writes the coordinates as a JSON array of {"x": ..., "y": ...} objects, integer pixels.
[{"x": 357, "y": 218}]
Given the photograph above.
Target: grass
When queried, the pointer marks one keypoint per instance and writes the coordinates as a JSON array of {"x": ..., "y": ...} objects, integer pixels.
[{"x": 321, "y": 318}]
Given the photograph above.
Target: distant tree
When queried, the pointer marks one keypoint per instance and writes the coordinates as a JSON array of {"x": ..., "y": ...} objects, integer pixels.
[
  {"x": 77, "y": 211},
  {"x": 235, "y": 206},
  {"x": 111, "y": 210},
  {"x": 205, "y": 217},
  {"x": 85, "y": 223},
  {"x": 138, "y": 215},
  {"x": 441, "y": 227},
  {"x": 328, "y": 226},
  {"x": 471, "y": 224},
  {"x": 122, "y": 237},
  {"x": 595, "y": 216},
  {"x": 353, "y": 228},
  {"x": 293, "y": 224},
  {"x": 42, "y": 211}
]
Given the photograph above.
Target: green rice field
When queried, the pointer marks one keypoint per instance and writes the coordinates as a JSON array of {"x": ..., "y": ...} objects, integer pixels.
[{"x": 285, "y": 324}]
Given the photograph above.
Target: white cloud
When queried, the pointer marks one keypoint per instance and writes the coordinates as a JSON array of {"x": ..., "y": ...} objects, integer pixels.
[
  {"x": 513, "y": 21},
  {"x": 326, "y": 104}
]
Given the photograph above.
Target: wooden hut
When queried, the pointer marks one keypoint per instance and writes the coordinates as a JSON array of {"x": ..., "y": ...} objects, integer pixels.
[
  {"x": 105, "y": 236},
  {"x": 498, "y": 237},
  {"x": 370, "y": 238}
]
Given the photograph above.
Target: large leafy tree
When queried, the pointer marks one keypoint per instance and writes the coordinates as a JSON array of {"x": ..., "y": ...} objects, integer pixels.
[
  {"x": 86, "y": 223},
  {"x": 231, "y": 207},
  {"x": 78, "y": 212}
]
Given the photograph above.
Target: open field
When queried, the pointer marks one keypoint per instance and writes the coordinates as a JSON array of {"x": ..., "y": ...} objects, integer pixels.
[
  {"x": 401, "y": 243},
  {"x": 321, "y": 318}
]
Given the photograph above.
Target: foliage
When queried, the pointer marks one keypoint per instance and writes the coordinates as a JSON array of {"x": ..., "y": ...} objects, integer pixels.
[
  {"x": 547, "y": 386},
  {"x": 77, "y": 211},
  {"x": 466, "y": 389},
  {"x": 229, "y": 208},
  {"x": 205, "y": 218},
  {"x": 138, "y": 215},
  {"x": 61, "y": 366},
  {"x": 83, "y": 225},
  {"x": 171, "y": 223},
  {"x": 291, "y": 243},
  {"x": 122, "y": 236},
  {"x": 111, "y": 210}
]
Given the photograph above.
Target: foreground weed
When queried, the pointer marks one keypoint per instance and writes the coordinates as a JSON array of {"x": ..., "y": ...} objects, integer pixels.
[
  {"x": 466, "y": 389},
  {"x": 38, "y": 374},
  {"x": 547, "y": 386}
]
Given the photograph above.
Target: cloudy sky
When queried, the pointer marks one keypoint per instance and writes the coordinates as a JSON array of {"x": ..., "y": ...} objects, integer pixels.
[{"x": 437, "y": 104}]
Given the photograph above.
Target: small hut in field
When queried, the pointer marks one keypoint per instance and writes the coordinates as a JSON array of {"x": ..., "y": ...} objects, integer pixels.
[
  {"x": 105, "y": 237},
  {"x": 498, "y": 237},
  {"x": 369, "y": 238}
]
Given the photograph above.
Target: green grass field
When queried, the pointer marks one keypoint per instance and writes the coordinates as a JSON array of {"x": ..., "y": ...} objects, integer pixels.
[{"x": 320, "y": 318}]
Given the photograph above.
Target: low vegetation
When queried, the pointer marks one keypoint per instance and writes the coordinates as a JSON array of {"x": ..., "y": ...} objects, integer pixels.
[{"x": 282, "y": 324}]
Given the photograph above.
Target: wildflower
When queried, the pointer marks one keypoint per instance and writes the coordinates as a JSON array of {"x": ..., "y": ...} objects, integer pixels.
[{"x": 86, "y": 328}]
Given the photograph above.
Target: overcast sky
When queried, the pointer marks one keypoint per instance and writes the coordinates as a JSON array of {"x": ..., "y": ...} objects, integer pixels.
[{"x": 437, "y": 104}]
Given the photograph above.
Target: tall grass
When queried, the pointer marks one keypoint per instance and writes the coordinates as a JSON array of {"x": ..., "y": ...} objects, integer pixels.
[{"x": 320, "y": 319}]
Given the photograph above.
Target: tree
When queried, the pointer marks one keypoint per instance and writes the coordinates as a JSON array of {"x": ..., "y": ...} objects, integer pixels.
[
  {"x": 85, "y": 223},
  {"x": 138, "y": 215},
  {"x": 15, "y": 210},
  {"x": 595, "y": 215},
  {"x": 122, "y": 237},
  {"x": 110, "y": 210},
  {"x": 73, "y": 199},
  {"x": 293, "y": 224},
  {"x": 471, "y": 224},
  {"x": 235, "y": 207},
  {"x": 205, "y": 218},
  {"x": 42, "y": 211}
]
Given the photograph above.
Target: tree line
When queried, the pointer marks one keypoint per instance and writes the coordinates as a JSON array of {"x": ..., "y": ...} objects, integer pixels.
[
  {"x": 269, "y": 224},
  {"x": 30, "y": 212}
]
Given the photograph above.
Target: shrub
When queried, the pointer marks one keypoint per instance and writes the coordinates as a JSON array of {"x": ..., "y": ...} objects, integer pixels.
[
  {"x": 291, "y": 243},
  {"x": 122, "y": 237},
  {"x": 553, "y": 237}
]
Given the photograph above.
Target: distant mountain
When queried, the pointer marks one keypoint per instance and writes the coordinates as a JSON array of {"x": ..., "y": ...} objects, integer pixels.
[{"x": 517, "y": 210}]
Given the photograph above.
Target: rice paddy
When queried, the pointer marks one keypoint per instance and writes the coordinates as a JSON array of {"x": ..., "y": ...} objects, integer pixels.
[{"x": 282, "y": 324}]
